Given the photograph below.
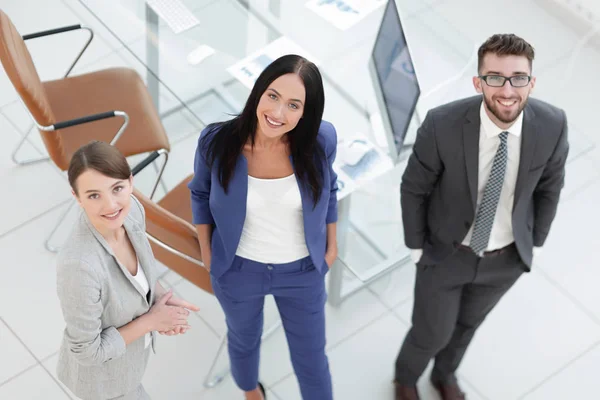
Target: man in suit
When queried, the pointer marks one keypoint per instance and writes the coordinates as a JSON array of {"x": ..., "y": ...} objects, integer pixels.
[{"x": 479, "y": 195}]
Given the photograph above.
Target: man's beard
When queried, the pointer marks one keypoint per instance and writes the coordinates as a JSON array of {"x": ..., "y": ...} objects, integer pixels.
[{"x": 493, "y": 106}]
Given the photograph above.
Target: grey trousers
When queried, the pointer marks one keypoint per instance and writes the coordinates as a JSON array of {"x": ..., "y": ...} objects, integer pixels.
[
  {"x": 451, "y": 300},
  {"x": 138, "y": 394}
]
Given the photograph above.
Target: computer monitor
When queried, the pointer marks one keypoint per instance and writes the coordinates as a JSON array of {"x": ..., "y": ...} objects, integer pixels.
[{"x": 395, "y": 82}]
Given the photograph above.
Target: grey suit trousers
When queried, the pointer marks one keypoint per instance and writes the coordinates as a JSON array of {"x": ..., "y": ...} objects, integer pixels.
[
  {"x": 451, "y": 300},
  {"x": 138, "y": 394}
]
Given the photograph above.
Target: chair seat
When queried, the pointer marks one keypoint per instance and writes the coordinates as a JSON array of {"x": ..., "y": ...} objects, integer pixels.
[
  {"x": 178, "y": 200},
  {"x": 96, "y": 92},
  {"x": 170, "y": 222}
]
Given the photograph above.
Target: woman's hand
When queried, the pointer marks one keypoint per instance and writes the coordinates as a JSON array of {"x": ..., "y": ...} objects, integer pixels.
[
  {"x": 204, "y": 239},
  {"x": 163, "y": 317},
  {"x": 174, "y": 301},
  {"x": 206, "y": 257},
  {"x": 330, "y": 257},
  {"x": 332, "y": 250}
]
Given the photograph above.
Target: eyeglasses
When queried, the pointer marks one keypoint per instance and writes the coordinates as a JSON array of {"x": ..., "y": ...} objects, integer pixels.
[{"x": 499, "y": 81}]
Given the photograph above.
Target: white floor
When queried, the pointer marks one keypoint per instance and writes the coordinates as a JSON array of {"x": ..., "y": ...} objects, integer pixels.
[{"x": 541, "y": 343}]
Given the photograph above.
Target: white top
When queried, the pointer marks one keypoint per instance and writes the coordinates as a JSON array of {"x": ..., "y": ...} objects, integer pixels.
[
  {"x": 502, "y": 231},
  {"x": 140, "y": 278},
  {"x": 274, "y": 226}
]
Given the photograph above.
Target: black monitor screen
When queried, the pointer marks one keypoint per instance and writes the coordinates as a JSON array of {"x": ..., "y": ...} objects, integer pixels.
[{"x": 393, "y": 66}]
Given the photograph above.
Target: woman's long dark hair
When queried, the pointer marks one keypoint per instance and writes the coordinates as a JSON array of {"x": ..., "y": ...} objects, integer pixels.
[{"x": 226, "y": 145}]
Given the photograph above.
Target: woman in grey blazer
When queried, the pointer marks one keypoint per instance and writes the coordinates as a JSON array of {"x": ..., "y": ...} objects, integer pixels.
[{"x": 111, "y": 300}]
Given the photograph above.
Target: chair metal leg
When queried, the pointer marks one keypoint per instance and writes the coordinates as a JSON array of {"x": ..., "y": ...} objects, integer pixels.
[
  {"x": 211, "y": 380},
  {"x": 60, "y": 221},
  {"x": 18, "y": 147},
  {"x": 160, "y": 173}
]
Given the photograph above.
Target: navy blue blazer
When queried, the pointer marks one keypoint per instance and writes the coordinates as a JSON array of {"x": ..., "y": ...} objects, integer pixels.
[{"x": 227, "y": 212}]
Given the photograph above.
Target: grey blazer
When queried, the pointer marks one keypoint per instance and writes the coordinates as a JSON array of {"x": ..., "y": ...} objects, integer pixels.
[
  {"x": 97, "y": 296},
  {"x": 439, "y": 185}
]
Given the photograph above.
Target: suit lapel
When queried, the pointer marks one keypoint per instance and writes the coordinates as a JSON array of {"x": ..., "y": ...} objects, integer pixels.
[
  {"x": 306, "y": 197},
  {"x": 529, "y": 135},
  {"x": 238, "y": 186},
  {"x": 133, "y": 232},
  {"x": 232, "y": 205},
  {"x": 471, "y": 149},
  {"x": 137, "y": 237}
]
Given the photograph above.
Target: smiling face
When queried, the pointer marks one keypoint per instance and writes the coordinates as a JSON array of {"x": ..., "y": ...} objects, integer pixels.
[
  {"x": 106, "y": 201},
  {"x": 504, "y": 104},
  {"x": 281, "y": 106}
]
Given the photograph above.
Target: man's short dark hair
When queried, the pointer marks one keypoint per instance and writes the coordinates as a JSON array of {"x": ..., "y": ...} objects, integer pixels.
[{"x": 505, "y": 44}]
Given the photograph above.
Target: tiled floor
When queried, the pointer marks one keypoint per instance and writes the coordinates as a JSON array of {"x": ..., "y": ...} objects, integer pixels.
[{"x": 542, "y": 341}]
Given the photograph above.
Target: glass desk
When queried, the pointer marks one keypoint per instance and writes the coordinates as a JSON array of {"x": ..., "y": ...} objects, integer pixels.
[{"x": 207, "y": 70}]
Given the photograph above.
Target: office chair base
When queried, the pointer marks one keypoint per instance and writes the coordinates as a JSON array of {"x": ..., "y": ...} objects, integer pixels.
[
  {"x": 48, "y": 243},
  {"x": 159, "y": 180},
  {"x": 50, "y": 247},
  {"x": 26, "y": 161},
  {"x": 29, "y": 161},
  {"x": 213, "y": 380}
]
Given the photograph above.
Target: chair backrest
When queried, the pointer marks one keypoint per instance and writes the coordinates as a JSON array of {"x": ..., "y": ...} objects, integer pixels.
[
  {"x": 177, "y": 234},
  {"x": 59, "y": 100},
  {"x": 19, "y": 67}
]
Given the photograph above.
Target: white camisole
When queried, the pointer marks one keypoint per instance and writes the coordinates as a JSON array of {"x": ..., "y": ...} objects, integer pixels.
[{"x": 274, "y": 227}]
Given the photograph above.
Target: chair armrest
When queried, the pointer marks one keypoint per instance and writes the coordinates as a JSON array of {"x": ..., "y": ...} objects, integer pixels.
[
  {"x": 90, "y": 118},
  {"x": 51, "y": 32},
  {"x": 62, "y": 30},
  {"x": 83, "y": 120},
  {"x": 144, "y": 163}
]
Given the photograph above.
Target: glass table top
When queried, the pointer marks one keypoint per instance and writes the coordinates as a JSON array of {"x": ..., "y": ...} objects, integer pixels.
[
  {"x": 202, "y": 59},
  {"x": 230, "y": 41}
]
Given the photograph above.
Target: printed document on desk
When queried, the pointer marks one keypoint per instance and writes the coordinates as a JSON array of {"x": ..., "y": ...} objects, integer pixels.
[
  {"x": 344, "y": 14},
  {"x": 248, "y": 69},
  {"x": 358, "y": 161}
]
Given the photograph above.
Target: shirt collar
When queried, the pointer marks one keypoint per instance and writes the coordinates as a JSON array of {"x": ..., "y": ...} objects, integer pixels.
[{"x": 491, "y": 130}]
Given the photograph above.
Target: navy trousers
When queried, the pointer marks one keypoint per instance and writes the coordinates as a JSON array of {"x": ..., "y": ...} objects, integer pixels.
[{"x": 299, "y": 292}]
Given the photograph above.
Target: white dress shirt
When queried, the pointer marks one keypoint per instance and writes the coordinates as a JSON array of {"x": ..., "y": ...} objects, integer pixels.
[{"x": 489, "y": 141}]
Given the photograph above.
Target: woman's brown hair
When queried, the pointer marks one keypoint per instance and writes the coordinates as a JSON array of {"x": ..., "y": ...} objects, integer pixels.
[{"x": 101, "y": 157}]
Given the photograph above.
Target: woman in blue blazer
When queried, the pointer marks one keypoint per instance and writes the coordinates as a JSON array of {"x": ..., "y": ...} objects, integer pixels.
[{"x": 265, "y": 207}]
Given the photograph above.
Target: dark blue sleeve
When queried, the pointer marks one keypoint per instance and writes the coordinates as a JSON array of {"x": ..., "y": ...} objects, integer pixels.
[
  {"x": 200, "y": 185},
  {"x": 330, "y": 135}
]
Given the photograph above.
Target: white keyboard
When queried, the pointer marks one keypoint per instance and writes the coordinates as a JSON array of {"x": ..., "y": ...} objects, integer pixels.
[{"x": 177, "y": 16}]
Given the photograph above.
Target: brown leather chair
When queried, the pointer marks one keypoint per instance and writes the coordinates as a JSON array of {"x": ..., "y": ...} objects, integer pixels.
[
  {"x": 174, "y": 242},
  {"x": 173, "y": 238},
  {"x": 71, "y": 111}
]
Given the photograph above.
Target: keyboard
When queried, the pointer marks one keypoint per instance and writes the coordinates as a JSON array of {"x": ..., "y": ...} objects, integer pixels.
[{"x": 177, "y": 16}]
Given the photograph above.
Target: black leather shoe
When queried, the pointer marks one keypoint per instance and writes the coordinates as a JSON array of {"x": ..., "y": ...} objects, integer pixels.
[
  {"x": 262, "y": 389},
  {"x": 405, "y": 392},
  {"x": 449, "y": 391}
]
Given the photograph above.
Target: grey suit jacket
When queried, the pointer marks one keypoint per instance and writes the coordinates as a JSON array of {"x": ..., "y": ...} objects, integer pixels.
[
  {"x": 97, "y": 296},
  {"x": 439, "y": 185}
]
